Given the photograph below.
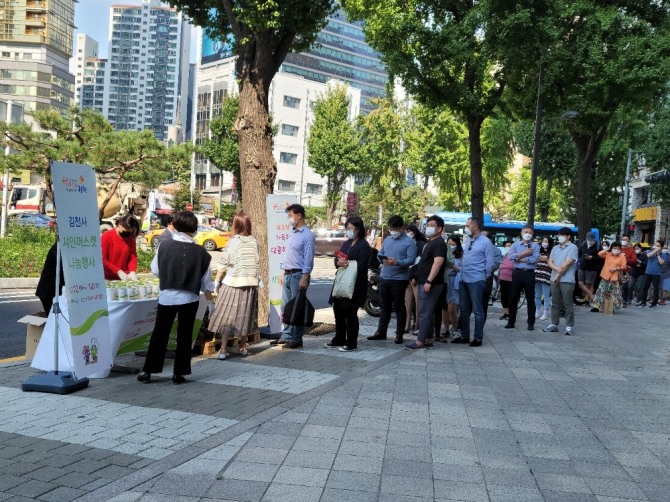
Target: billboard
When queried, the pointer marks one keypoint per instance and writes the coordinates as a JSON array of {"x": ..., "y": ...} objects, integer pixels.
[{"x": 215, "y": 50}]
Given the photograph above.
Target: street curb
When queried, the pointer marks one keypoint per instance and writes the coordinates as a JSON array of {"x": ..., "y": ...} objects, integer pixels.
[{"x": 19, "y": 282}]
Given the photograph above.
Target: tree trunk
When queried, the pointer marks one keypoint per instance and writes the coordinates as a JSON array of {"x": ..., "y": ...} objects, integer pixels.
[
  {"x": 477, "y": 181},
  {"x": 257, "y": 164},
  {"x": 587, "y": 149},
  {"x": 544, "y": 214}
]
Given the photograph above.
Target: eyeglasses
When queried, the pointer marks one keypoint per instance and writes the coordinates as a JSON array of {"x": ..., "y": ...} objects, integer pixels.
[{"x": 472, "y": 241}]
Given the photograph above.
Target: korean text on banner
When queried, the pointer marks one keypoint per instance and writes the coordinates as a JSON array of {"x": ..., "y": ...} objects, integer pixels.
[
  {"x": 278, "y": 233},
  {"x": 75, "y": 195}
]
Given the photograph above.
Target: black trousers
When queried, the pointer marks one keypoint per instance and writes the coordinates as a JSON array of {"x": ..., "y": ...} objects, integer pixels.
[
  {"x": 346, "y": 325},
  {"x": 165, "y": 316},
  {"x": 644, "y": 290},
  {"x": 488, "y": 288},
  {"x": 392, "y": 295},
  {"x": 522, "y": 279},
  {"x": 505, "y": 290}
]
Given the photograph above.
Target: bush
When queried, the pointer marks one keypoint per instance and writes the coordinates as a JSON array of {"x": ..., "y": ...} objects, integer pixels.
[
  {"x": 144, "y": 257},
  {"x": 23, "y": 250}
]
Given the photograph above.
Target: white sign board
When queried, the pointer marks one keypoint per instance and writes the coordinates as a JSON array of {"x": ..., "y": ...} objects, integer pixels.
[
  {"x": 75, "y": 195},
  {"x": 278, "y": 233}
]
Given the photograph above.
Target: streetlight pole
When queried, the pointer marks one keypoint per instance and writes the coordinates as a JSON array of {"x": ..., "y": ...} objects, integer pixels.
[{"x": 624, "y": 206}]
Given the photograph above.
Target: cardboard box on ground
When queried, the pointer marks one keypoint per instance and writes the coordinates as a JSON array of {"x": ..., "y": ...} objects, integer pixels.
[{"x": 34, "y": 328}]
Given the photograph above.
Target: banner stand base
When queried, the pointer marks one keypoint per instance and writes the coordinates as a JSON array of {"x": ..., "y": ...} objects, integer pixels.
[
  {"x": 51, "y": 382},
  {"x": 267, "y": 334}
]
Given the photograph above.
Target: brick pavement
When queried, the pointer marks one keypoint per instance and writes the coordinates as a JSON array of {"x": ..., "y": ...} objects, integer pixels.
[{"x": 528, "y": 416}]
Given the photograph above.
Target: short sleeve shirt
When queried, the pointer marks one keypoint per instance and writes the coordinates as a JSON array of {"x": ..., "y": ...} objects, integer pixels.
[
  {"x": 559, "y": 254},
  {"x": 433, "y": 249}
]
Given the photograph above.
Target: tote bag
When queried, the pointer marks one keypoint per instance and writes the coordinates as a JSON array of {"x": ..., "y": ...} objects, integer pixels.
[{"x": 345, "y": 282}]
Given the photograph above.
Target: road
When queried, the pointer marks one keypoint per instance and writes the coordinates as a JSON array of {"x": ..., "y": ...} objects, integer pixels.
[{"x": 16, "y": 303}]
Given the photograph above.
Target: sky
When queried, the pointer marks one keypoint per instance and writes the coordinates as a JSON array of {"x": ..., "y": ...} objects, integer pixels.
[{"x": 92, "y": 17}]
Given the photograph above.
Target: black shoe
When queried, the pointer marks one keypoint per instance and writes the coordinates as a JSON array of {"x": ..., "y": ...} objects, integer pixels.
[
  {"x": 331, "y": 345},
  {"x": 509, "y": 325},
  {"x": 652, "y": 306},
  {"x": 476, "y": 343},
  {"x": 595, "y": 310},
  {"x": 398, "y": 340},
  {"x": 377, "y": 336},
  {"x": 460, "y": 340},
  {"x": 531, "y": 327},
  {"x": 144, "y": 377},
  {"x": 293, "y": 345},
  {"x": 278, "y": 341},
  {"x": 178, "y": 379},
  {"x": 504, "y": 317}
]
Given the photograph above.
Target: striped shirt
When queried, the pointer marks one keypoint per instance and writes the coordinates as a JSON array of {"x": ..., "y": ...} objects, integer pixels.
[{"x": 240, "y": 261}]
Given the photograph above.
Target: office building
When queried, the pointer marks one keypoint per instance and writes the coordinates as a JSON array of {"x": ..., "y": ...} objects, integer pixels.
[
  {"x": 35, "y": 48},
  {"x": 140, "y": 83}
]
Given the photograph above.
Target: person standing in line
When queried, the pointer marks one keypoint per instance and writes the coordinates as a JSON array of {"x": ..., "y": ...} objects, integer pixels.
[
  {"x": 119, "y": 249},
  {"x": 238, "y": 292},
  {"x": 430, "y": 278},
  {"x": 357, "y": 250},
  {"x": 454, "y": 263},
  {"x": 477, "y": 265},
  {"x": 525, "y": 254},
  {"x": 488, "y": 288},
  {"x": 614, "y": 264},
  {"x": 665, "y": 275},
  {"x": 652, "y": 275},
  {"x": 631, "y": 258},
  {"x": 297, "y": 265},
  {"x": 397, "y": 254},
  {"x": 169, "y": 230},
  {"x": 183, "y": 269},
  {"x": 412, "y": 291},
  {"x": 543, "y": 282},
  {"x": 505, "y": 280},
  {"x": 563, "y": 264},
  {"x": 589, "y": 265},
  {"x": 637, "y": 274}
]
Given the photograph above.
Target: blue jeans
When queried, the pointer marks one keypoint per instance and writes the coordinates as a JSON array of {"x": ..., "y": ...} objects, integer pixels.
[
  {"x": 290, "y": 291},
  {"x": 542, "y": 289},
  {"x": 471, "y": 298}
]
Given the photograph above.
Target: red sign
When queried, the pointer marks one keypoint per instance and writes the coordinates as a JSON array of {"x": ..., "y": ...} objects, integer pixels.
[{"x": 189, "y": 207}]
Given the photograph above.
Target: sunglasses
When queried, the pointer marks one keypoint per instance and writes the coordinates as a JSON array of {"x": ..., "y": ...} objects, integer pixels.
[{"x": 470, "y": 246}]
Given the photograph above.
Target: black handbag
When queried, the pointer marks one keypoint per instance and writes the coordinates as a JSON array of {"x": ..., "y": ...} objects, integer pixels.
[{"x": 298, "y": 311}]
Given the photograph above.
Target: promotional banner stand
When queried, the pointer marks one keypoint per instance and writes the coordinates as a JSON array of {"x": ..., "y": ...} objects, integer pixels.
[{"x": 55, "y": 382}]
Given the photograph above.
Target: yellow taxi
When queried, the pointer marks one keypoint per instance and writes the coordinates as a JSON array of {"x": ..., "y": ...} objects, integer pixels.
[
  {"x": 151, "y": 236},
  {"x": 212, "y": 238}
]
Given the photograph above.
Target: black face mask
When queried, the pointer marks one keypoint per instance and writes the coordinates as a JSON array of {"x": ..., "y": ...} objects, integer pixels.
[{"x": 125, "y": 234}]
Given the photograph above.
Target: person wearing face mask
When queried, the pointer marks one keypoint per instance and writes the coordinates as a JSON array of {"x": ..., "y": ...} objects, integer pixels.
[
  {"x": 665, "y": 275},
  {"x": 119, "y": 249},
  {"x": 543, "y": 281},
  {"x": 298, "y": 262},
  {"x": 627, "y": 251},
  {"x": 453, "y": 280},
  {"x": 397, "y": 254},
  {"x": 589, "y": 265},
  {"x": 614, "y": 264},
  {"x": 525, "y": 254},
  {"x": 563, "y": 263},
  {"x": 412, "y": 291},
  {"x": 476, "y": 266},
  {"x": 652, "y": 275},
  {"x": 183, "y": 269},
  {"x": 505, "y": 279},
  {"x": 488, "y": 287},
  {"x": 637, "y": 273},
  {"x": 357, "y": 251}
]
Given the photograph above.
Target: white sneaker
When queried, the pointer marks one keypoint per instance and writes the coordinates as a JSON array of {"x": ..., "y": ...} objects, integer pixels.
[
  {"x": 244, "y": 352},
  {"x": 568, "y": 331},
  {"x": 344, "y": 348},
  {"x": 222, "y": 356},
  {"x": 552, "y": 328},
  {"x": 544, "y": 317}
]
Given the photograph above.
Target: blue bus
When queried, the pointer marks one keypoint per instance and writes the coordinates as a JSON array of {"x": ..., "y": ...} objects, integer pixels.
[{"x": 507, "y": 230}]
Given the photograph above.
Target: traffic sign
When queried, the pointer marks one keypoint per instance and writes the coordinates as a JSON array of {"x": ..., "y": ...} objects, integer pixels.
[{"x": 189, "y": 207}]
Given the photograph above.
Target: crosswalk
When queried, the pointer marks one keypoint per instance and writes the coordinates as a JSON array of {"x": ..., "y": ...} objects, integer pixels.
[{"x": 18, "y": 296}]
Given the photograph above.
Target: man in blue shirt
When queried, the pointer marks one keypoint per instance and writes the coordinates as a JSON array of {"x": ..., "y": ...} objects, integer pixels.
[
  {"x": 477, "y": 265},
  {"x": 298, "y": 262},
  {"x": 652, "y": 275},
  {"x": 524, "y": 254},
  {"x": 397, "y": 254}
]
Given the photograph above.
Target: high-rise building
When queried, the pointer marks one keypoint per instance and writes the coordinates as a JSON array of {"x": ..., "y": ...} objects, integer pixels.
[
  {"x": 140, "y": 83},
  {"x": 35, "y": 48},
  {"x": 340, "y": 52}
]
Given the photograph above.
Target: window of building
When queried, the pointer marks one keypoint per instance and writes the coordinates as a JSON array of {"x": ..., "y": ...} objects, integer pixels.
[
  {"x": 6, "y": 54},
  {"x": 285, "y": 186},
  {"x": 291, "y": 102},
  {"x": 314, "y": 189},
  {"x": 27, "y": 55},
  {"x": 289, "y": 130},
  {"x": 288, "y": 158}
]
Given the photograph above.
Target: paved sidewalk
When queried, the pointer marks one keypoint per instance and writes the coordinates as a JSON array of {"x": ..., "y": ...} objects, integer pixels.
[{"x": 528, "y": 416}]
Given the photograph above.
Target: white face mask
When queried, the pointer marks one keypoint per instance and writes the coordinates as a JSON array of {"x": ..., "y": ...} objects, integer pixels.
[
  {"x": 562, "y": 239},
  {"x": 410, "y": 234},
  {"x": 624, "y": 243},
  {"x": 527, "y": 237},
  {"x": 394, "y": 233},
  {"x": 350, "y": 234},
  {"x": 545, "y": 245},
  {"x": 468, "y": 231},
  {"x": 638, "y": 251},
  {"x": 654, "y": 247},
  {"x": 291, "y": 221},
  {"x": 505, "y": 251},
  {"x": 430, "y": 231},
  {"x": 615, "y": 252},
  {"x": 605, "y": 248},
  {"x": 452, "y": 247}
]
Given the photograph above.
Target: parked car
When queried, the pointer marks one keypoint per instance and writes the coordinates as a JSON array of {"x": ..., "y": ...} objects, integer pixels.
[
  {"x": 33, "y": 219},
  {"x": 152, "y": 236},
  {"x": 212, "y": 238},
  {"x": 326, "y": 246}
]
